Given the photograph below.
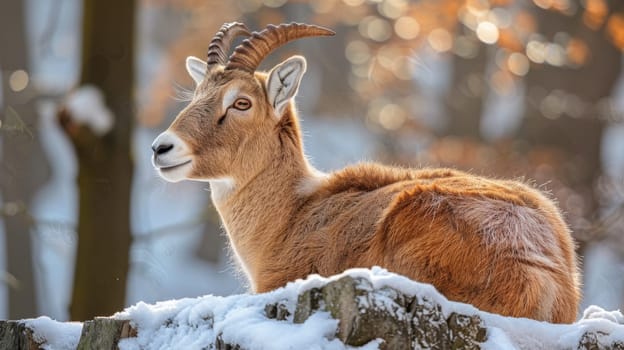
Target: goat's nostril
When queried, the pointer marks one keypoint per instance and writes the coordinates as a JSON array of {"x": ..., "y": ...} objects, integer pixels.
[{"x": 162, "y": 148}]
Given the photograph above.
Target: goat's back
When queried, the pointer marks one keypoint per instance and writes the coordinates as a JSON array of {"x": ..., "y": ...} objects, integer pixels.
[{"x": 499, "y": 245}]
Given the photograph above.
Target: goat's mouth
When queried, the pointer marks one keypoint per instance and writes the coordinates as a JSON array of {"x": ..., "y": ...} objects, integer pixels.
[
  {"x": 173, "y": 167},
  {"x": 174, "y": 172}
]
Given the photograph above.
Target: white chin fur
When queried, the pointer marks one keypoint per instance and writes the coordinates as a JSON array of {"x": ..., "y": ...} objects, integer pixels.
[
  {"x": 221, "y": 188},
  {"x": 176, "y": 174}
]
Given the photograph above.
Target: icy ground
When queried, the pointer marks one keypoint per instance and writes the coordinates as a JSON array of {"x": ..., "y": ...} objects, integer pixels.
[{"x": 194, "y": 323}]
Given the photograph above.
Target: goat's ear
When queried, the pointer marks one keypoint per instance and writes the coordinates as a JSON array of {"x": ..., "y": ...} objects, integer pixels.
[
  {"x": 283, "y": 83},
  {"x": 196, "y": 68}
]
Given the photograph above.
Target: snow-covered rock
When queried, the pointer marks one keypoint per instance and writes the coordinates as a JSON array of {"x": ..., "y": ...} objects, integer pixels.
[
  {"x": 56, "y": 335},
  {"x": 359, "y": 309}
]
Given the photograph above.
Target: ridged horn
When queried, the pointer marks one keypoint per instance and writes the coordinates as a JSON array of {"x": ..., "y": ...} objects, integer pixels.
[
  {"x": 248, "y": 55},
  {"x": 219, "y": 47}
]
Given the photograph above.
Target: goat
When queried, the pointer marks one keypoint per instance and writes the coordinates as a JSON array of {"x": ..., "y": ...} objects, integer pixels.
[{"x": 499, "y": 245}]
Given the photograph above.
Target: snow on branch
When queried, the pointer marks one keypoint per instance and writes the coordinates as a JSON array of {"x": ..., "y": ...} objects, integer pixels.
[{"x": 87, "y": 107}]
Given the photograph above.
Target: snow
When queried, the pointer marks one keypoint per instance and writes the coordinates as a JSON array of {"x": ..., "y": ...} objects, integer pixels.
[
  {"x": 87, "y": 107},
  {"x": 195, "y": 323},
  {"x": 241, "y": 320},
  {"x": 596, "y": 312},
  {"x": 54, "y": 334}
]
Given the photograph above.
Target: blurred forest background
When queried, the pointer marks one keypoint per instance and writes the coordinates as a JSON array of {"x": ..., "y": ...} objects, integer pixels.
[{"x": 523, "y": 89}]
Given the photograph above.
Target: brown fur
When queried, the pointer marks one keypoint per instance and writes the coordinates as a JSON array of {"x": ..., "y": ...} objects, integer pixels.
[{"x": 499, "y": 245}]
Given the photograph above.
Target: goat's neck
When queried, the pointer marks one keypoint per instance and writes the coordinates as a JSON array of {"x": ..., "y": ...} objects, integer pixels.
[
  {"x": 256, "y": 209},
  {"x": 263, "y": 195}
]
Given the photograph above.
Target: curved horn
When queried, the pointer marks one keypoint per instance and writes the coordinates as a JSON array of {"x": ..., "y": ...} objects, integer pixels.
[
  {"x": 248, "y": 55},
  {"x": 221, "y": 42}
]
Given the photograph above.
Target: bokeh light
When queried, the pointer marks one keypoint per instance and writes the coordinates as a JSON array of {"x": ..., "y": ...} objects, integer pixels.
[
  {"x": 392, "y": 116},
  {"x": 595, "y": 13},
  {"x": 518, "y": 64},
  {"x": 375, "y": 28},
  {"x": 353, "y": 2},
  {"x": 406, "y": 28},
  {"x": 440, "y": 40},
  {"x": 274, "y": 3},
  {"x": 18, "y": 80},
  {"x": 545, "y": 4},
  {"x": 357, "y": 52},
  {"x": 392, "y": 8},
  {"x": 535, "y": 51},
  {"x": 487, "y": 32},
  {"x": 554, "y": 54}
]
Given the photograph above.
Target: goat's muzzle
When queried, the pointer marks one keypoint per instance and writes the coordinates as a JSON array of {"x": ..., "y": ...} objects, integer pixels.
[{"x": 171, "y": 157}]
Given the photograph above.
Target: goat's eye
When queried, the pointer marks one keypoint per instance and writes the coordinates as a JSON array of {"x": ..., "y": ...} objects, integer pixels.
[{"x": 242, "y": 104}]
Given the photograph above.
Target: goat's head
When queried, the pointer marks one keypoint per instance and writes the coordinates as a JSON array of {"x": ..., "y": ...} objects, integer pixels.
[{"x": 235, "y": 110}]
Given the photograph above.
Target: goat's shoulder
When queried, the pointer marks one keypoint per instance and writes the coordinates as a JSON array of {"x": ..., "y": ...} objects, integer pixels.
[{"x": 434, "y": 183}]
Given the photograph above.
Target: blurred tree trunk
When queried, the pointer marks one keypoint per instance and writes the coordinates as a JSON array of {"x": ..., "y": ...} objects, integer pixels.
[
  {"x": 24, "y": 167},
  {"x": 465, "y": 98},
  {"x": 576, "y": 133},
  {"x": 105, "y": 166}
]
